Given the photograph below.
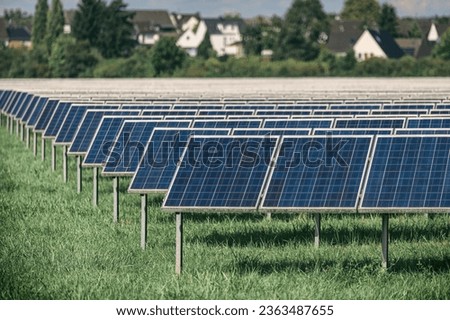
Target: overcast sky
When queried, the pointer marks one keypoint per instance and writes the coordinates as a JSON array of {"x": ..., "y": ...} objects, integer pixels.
[{"x": 210, "y": 8}]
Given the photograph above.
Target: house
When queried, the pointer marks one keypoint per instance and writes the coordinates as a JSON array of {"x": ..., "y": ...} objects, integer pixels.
[
  {"x": 3, "y": 31},
  {"x": 410, "y": 46},
  {"x": 343, "y": 36},
  {"x": 376, "y": 44},
  {"x": 226, "y": 35},
  {"x": 151, "y": 25},
  {"x": 193, "y": 36},
  {"x": 68, "y": 20},
  {"x": 18, "y": 37},
  {"x": 431, "y": 38},
  {"x": 183, "y": 22}
]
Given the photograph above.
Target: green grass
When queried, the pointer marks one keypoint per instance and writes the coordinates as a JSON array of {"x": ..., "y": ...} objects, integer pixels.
[{"x": 55, "y": 245}]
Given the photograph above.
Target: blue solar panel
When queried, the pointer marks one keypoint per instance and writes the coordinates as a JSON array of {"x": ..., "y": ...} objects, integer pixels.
[
  {"x": 443, "y": 106},
  {"x": 194, "y": 118},
  {"x": 443, "y": 112},
  {"x": 355, "y": 106},
  {"x": 26, "y": 116},
  {"x": 350, "y": 132},
  {"x": 297, "y": 124},
  {"x": 36, "y": 113},
  {"x": 46, "y": 114},
  {"x": 146, "y": 107},
  {"x": 249, "y": 107},
  {"x": 273, "y": 132},
  {"x": 318, "y": 173},
  {"x": 162, "y": 154},
  {"x": 429, "y": 123},
  {"x": 301, "y": 107},
  {"x": 89, "y": 126},
  {"x": 104, "y": 138},
  {"x": 130, "y": 145},
  {"x": 57, "y": 119},
  {"x": 369, "y": 123},
  {"x": 6, "y": 95},
  {"x": 409, "y": 173},
  {"x": 225, "y": 112},
  {"x": 283, "y": 112},
  {"x": 10, "y": 102},
  {"x": 169, "y": 113},
  {"x": 72, "y": 120},
  {"x": 16, "y": 103},
  {"x": 25, "y": 105},
  {"x": 400, "y": 112},
  {"x": 230, "y": 124},
  {"x": 408, "y": 106},
  {"x": 225, "y": 173},
  {"x": 422, "y": 131},
  {"x": 340, "y": 112}
]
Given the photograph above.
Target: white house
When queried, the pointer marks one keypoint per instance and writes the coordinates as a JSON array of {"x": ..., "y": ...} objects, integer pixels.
[
  {"x": 376, "y": 44},
  {"x": 224, "y": 34},
  {"x": 192, "y": 36},
  {"x": 436, "y": 31}
]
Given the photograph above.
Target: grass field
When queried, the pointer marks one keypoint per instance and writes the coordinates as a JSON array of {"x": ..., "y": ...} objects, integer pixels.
[{"x": 55, "y": 245}]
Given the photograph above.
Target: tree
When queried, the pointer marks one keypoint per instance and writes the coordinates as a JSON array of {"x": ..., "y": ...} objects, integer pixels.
[
  {"x": 55, "y": 22},
  {"x": 18, "y": 17},
  {"x": 300, "y": 33},
  {"x": 115, "y": 38},
  {"x": 166, "y": 56},
  {"x": 70, "y": 58},
  {"x": 40, "y": 23},
  {"x": 205, "y": 49},
  {"x": 88, "y": 20},
  {"x": 415, "y": 31},
  {"x": 366, "y": 11},
  {"x": 388, "y": 20},
  {"x": 442, "y": 49}
]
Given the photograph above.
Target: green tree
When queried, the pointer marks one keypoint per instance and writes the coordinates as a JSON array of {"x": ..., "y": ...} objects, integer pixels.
[
  {"x": 442, "y": 49},
  {"x": 300, "y": 34},
  {"x": 415, "y": 31},
  {"x": 18, "y": 17},
  {"x": 88, "y": 21},
  {"x": 388, "y": 20},
  {"x": 40, "y": 23},
  {"x": 71, "y": 58},
  {"x": 205, "y": 49},
  {"x": 55, "y": 22},
  {"x": 166, "y": 56},
  {"x": 366, "y": 11},
  {"x": 115, "y": 38}
]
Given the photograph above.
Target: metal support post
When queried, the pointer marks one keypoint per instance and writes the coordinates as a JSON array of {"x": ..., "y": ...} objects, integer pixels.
[
  {"x": 143, "y": 221},
  {"x": 179, "y": 243}
]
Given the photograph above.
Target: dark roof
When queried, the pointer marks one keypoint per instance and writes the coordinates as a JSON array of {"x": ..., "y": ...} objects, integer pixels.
[
  {"x": 68, "y": 16},
  {"x": 441, "y": 28},
  {"x": 152, "y": 20},
  {"x": 3, "y": 32},
  {"x": 410, "y": 46},
  {"x": 425, "y": 48},
  {"x": 406, "y": 25},
  {"x": 212, "y": 24},
  {"x": 343, "y": 35},
  {"x": 387, "y": 43},
  {"x": 18, "y": 34}
]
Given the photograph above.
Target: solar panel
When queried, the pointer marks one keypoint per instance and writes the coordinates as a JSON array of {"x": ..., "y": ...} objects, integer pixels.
[
  {"x": 340, "y": 112},
  {"x": 161, "y": 156},
  {"x": 355, "y": 106},
  {"x": 301, "y": 107},
  {"x": 443, "y": 106},
  {"x": 88, "y": 127},
  {"x": 36, "y": 112},
  {"x": 369, "y": 123},
  {"x": 23, "y": 107},
  {"x": 199, "y": 107},
  {"x": 9, "y": 101},
  {"x": 45, "y": 116},
  {"x": 408, "y": 106},
  {"x": 169, "y": 113},
  {"x": 273, "y": 132},
  {"x": 71, "y": 122},
  {"x": 246, "y": 106},
  {"x": 12, "y": 110},
  {"x": 283, "y": 112},
  {"x": 130, "y": 144},
  {"x": 351, "y": 132},
  {"x": 429, "y": 123},
  {"x": 409, "y": 174},
  {"x": 297, "y": 124},
  {"x": 57, "y": 119},
  {"x": 147, "y": 107},
  {"x": 421, "y": 131},
  {"x": 317, "y": 174},
  {"x": 225, "y": 112},
  {"x": 399, "y": 112},
  {"x": 6, "y": 95},
  {"x": 224, "y": 173},
  {"x": 230, "y": 124}
]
